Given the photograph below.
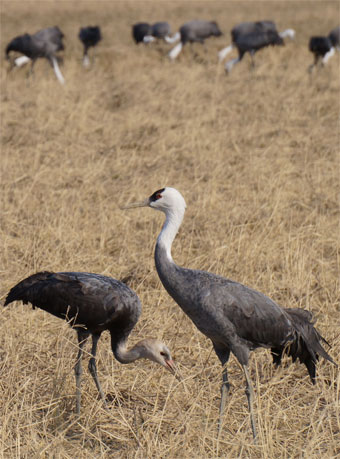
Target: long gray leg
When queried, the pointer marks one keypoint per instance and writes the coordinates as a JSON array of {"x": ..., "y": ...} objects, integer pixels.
[
  {"x": 250, "y": 397},
  {"x": 82, "y": 337},
  {"x": 93, "y": 367},
  {"x": 225, "y": 387}
]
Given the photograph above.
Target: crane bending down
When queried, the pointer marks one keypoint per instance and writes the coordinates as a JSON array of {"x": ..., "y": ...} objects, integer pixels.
[
  {"x": 236, "y": 318},
  {"x": 44, "y": 43},
  {"x": 89, "y": 36},
  {"x": 92, "y": 303},
  {"x": 246, "y": 28},
  {"x": 195, "y": 31}
]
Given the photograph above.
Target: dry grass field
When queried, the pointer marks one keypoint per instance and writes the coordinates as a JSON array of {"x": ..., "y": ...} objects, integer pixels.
[{"x": 256, "y": 156}]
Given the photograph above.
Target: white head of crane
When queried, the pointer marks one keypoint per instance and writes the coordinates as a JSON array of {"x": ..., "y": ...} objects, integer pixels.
[{"x": 171, "y": 202}]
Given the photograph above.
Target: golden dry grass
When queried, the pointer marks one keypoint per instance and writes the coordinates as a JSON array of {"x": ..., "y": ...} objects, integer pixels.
[{"x": 256, "y": 156}]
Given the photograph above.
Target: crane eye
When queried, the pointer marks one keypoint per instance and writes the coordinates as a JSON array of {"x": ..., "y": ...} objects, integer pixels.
[
  {"x": 158, "y": 196},
  {"x": 163, "y": 354}
]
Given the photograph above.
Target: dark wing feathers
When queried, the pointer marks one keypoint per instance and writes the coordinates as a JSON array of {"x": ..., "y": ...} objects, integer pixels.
[{"x": 85, "y": 299}]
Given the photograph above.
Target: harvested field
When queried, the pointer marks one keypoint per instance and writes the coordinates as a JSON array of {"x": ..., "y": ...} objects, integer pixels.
[{"x": 256, "y": 156}]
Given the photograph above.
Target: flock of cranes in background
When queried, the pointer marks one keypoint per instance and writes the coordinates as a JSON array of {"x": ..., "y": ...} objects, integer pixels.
[{"x": 247, "y": 37}]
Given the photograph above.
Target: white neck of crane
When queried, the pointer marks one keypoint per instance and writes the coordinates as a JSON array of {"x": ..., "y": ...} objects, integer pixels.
[{"x": 173, "y": 220}]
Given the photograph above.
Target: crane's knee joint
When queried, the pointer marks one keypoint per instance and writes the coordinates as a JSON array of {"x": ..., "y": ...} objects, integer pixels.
[
  {"x": 92, "y": 366},
  {"x": 78, "y": 370}
]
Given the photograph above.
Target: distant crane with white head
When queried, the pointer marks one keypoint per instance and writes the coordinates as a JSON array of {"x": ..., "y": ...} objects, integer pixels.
[
  {"x": 44, "y": 43},
  {"x": 92, "y": 303},
  {"x": 323, "y": 48},
  {"x": 195, "y": 31},
  {"x": 234, "y": 317},
  {"x": 89, "y": 36},
  {"x": 245, "y": 28},
  {"x": 250, "y": 37}
]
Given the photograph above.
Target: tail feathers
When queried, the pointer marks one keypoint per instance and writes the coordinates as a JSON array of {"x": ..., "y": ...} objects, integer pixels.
[
  {"x": 306, "y": 346},
  {"x": 23, "y": 290}
]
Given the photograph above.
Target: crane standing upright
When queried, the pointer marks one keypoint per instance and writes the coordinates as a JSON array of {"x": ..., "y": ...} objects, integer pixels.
[{"x": 236, "y": 318}]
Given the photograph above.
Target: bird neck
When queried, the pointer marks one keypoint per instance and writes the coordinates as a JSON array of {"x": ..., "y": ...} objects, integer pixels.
[
  {"x": 173, "y": 220},
  {"x": 124, "y": 355}
]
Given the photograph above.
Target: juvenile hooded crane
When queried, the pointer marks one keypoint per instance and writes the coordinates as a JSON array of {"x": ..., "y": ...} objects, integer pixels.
[
  {"x": 234, "y": 317},
  {"x": 91, "y": 304}
]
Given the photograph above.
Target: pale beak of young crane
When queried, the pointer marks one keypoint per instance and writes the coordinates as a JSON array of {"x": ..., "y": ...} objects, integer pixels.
[
  {"x": 144, "y": 203},
  {"x": 170, "y": 365}
]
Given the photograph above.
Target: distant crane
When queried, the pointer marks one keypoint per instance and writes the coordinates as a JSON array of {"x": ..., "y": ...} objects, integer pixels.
[
  {"x": 44, "y": 43},
  {"x": 90, "y": 36},
  {"x": 323, "y": 48},
  {"x": 141, "y": 30},
  {"x": 251, "y": 43},
  {"x": 236, "y": 318},
  {"x": 195, "y": 31},
  {"x": 245, "y": 28},
  {"x": 92, "y": 303}
]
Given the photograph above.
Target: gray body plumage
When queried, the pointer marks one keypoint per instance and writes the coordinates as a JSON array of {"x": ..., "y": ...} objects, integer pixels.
[
  {"x": 198, "y": 31},
  {"x": 160, "y": 30},
  {"x": 45, "y": 43},
  {"x": 252, "y": 36},
  {"x": 88, "y": 301},
  {"x": 234, "y": 317},
  {"x": 245, "y": 28},
  {"x": 92, "y": 303},
  {"x": 195, "y": 31}
]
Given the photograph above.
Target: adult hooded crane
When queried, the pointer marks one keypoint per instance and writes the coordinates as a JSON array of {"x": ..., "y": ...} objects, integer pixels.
[
  {"x": 92, "y": 303},
  {"x": 251, "y": 43},
  {"x": 323, "y": 48},
  {"x": 234, "y": 317},
  {"x": 245, "y": 28},
  {"x": 89, "y": 36},
  {"x": 195, "y": 31},
  {"x": 44, "y": 43}
]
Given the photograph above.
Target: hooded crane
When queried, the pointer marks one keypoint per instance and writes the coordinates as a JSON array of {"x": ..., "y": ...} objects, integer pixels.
[
  {"x": 195, "y": 31},
  {"x": 44, "y": 43},
  {"x": 92, "y": 303},
  {"x": 234, "y": 317},
  {"x": 323, "y": 48},
  {"x": 89, "y": 36},
  {"x": 141, "y": 30},
  {"x": 244, "y": 28},
  {"x": 251, "y": 43},
  {"x": 161, "y": 31}
]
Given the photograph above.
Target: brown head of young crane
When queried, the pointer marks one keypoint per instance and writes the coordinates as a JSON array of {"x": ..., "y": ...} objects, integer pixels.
[
  {"x": 92, "y": 303},
  {"x": 236, "y": 318}
]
